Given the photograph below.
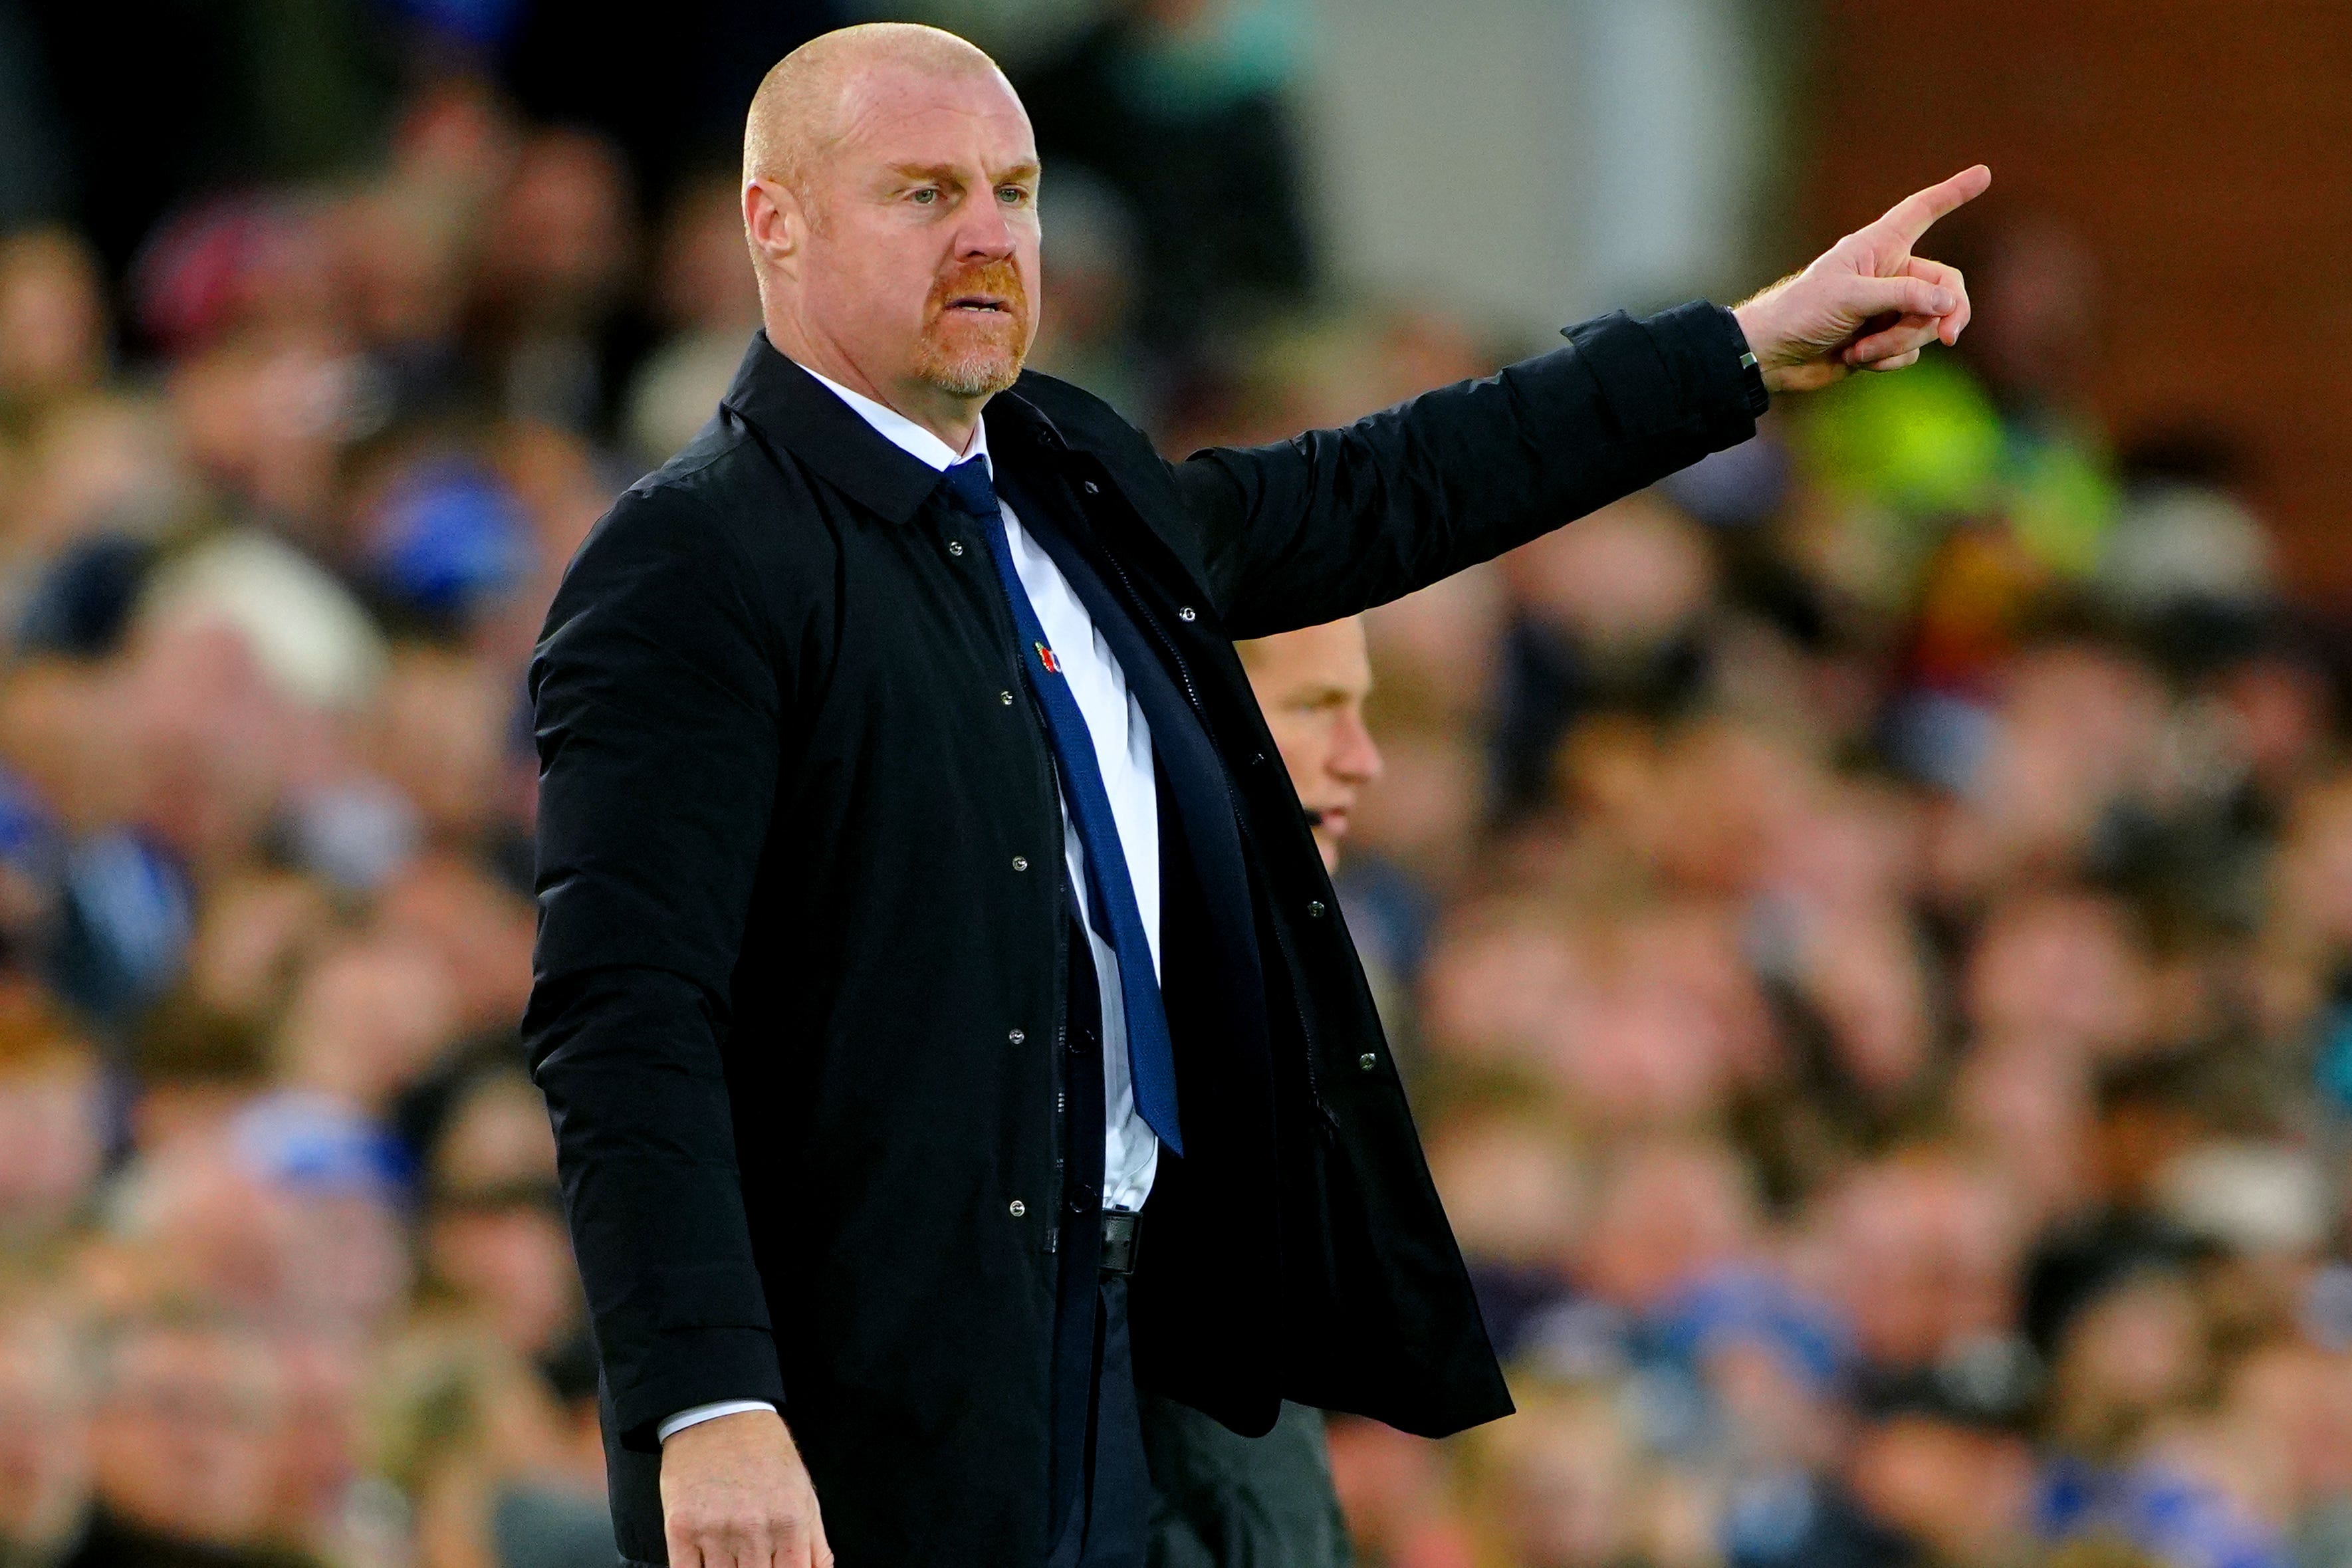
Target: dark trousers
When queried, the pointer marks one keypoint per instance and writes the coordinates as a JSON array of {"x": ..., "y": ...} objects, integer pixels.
[
  {"x": 1110, "y": 1517},
  {"x": 1098, "y": 1461},
  {"x": 1229, "y": 1501}
]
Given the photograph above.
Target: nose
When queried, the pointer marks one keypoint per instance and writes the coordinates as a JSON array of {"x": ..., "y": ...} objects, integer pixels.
[
  {"x": 1355, "y": 756},
  {"x": 983, "y": 234}
]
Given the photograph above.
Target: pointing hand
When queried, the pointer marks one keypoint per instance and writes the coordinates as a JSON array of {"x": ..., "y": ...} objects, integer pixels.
[{"x": 1867, "y": 303}]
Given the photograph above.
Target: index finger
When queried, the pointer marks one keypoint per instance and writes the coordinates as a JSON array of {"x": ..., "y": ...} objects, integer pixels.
[{"x": 1909, "y": 217}]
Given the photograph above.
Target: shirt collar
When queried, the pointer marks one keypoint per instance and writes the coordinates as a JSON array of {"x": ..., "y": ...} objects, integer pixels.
[{"x": 904, "y": 434}]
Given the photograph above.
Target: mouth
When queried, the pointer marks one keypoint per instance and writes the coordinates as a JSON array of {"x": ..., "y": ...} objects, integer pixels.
[
  {"x": 1331, "y": 822},
  {"x": 979, "y": 305}
]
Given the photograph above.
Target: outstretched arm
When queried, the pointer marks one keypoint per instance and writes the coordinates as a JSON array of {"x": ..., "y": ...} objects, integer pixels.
[{"x": 1335, "y": 521}]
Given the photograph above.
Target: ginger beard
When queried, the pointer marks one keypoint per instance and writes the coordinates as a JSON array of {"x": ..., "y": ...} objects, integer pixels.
[{"x": 975, "y": 331}]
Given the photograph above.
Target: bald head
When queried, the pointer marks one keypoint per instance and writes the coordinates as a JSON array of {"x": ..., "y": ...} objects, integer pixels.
[{"x": 804, "y": 100}]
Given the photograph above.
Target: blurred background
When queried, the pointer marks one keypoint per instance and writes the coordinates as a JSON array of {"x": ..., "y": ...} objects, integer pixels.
[{"x": 1868, "y": 923}]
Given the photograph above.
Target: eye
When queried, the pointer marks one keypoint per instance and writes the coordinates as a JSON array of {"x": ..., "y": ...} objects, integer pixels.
[
  {"x": 927, "y": 196},
  {"x": 1013, "y": 196}
]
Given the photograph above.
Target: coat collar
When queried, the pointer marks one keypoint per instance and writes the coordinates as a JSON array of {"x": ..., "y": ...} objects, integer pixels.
[{"x": 794, "y": 410}]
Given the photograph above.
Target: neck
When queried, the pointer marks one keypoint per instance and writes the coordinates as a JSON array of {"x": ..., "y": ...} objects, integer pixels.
[{"x": 945, "y": 415}]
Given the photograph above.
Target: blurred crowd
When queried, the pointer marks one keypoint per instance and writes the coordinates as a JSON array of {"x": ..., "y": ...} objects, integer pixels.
[
  {"x": 1866, "y": 922},
  {"x": 1871, "y": 918}
]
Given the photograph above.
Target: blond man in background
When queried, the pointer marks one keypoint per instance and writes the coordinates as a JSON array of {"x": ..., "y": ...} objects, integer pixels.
[{"x": 1225, "y": 1499}]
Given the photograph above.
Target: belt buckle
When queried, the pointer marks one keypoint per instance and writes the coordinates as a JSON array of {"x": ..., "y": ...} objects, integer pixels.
[{"x": 1118, "y": 1240}]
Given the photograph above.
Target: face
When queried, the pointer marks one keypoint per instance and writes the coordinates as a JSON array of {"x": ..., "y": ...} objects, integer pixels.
[
  {"x": 2140, "y": 1349},
  {"x": 1925, "y": 1256},
  {"x": 185, "y": 1434},
  {"x": 1312, "y": 683},
  {"x": 512, "y": 1263},
  {"x": 910, "y": 254},
  {"x": 1666, "y": 1216},
  {"x": 1512, "y": 1192},
  {"x": 52, "y": 317},
  {"x": 561, "y": 239},
  {"x": 1570, "y": 1490},
  {"x": 370, "y": 1017}
]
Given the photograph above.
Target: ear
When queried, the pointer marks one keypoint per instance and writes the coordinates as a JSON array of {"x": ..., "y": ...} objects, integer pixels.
[{"x": 777, "y": 224}]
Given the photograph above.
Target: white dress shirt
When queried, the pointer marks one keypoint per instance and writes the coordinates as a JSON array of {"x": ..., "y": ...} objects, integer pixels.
[{"x": 1123, "y": 752}]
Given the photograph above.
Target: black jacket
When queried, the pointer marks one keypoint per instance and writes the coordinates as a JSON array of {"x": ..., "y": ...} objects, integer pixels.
[{"x": 797, "y": 1010}]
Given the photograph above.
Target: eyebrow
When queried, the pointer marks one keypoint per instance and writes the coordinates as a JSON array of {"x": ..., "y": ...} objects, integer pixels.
[{"x": 949, "y": 173}]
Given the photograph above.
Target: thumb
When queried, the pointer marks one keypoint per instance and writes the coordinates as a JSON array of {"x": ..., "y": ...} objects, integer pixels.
[{"x": 1869, "y": 296}]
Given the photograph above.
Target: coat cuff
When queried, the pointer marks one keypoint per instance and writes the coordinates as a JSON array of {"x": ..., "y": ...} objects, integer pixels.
[
  {"x": 1676, "y": 378},
  {"x": 1720, "y": 324},
  {"x": 701, "y": 1366}
]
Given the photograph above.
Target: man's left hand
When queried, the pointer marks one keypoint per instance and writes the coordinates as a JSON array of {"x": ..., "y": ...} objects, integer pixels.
[{"x": 1866, "y": 303}]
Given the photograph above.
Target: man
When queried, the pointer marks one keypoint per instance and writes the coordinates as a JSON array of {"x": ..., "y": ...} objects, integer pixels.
[
  {"x": 184, "y": 1444},
  {"x": 1311, "y": 685},
  {"x": 919, "y": 896},
  {"x": 1223, "y": 1500}
]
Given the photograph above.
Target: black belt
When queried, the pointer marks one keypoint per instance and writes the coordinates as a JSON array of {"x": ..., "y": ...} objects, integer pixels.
[{"x": 1118, "y": 1229}]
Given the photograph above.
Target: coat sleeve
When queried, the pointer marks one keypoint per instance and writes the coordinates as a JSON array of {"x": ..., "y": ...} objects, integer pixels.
[
  {"x": 655, "y": 706},
  {"x": 1335, "y": 521}
]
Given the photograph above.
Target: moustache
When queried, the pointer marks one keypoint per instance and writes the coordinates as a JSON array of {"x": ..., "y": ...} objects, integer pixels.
[{"x": 999, "y": 279}]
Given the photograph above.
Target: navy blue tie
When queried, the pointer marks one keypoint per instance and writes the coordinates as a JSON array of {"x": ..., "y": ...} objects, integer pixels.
[{"x": 1110, "y": 903}]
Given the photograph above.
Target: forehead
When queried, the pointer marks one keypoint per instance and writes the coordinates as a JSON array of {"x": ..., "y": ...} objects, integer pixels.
[
  {"x": 1326, "y": 655},
  {"x": 895, "y": 114}
]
